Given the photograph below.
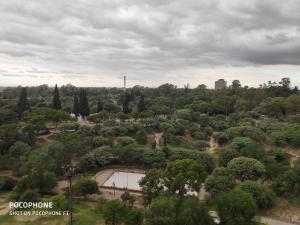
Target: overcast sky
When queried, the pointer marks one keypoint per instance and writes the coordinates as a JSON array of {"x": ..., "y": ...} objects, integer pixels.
[{"x": 96, "y": 42}]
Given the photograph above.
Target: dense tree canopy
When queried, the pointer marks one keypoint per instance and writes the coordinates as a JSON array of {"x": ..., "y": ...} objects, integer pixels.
[{"x": 240, "y": 142}]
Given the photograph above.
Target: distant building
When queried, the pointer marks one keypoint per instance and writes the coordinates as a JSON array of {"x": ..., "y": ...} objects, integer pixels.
[{"x": 221, "y": 83}]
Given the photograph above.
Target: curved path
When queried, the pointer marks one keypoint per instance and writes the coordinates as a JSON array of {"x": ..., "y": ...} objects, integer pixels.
[
  {"x": 5, "y": 210},
  {"x": 270, "y": 221},
  {"x": 213, "y": 145}
]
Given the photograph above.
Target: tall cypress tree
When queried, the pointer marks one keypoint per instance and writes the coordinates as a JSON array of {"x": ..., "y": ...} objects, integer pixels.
[
  {"x": 99, "y": 106},
  {"x": 84, "y": 109},
  {"x": 76, "y": 106},
  {"x": 126, "y": 102},
  {"x": 56, "y": 100},
  {"x": 23, "y": 103},
  {"x": 141, "y": 105}
]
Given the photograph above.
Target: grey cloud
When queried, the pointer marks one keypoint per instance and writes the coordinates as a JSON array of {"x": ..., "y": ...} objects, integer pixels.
[{"x": 148, "y": 38}]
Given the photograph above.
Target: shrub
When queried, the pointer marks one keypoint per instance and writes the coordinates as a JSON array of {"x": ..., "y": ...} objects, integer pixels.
[
  {"x": 200, "y": 145},
  {"x": 236, "y": 207},
  {"x": 248, "y": 148},
  {"x": 114, "y": 212},
  {"x": 246, "y": 168},
  {"x": 141, "y": 137},
  {"x": 26, "y": 196},
  {"x": 220, "y": 180},
  {"x": 200, "y": 135},
  {"x": 69, "y": 126},
  {"x": 7, "y": 183},
  {"x": 222, "y": 138},
  {"x": 85, "y": 186},
  {"x": 40, "y": 182},
  {"x": 226, "y": 155},
  {"x": 123, "y": 141},
  {"x": 99, "y": 141},
  {"x": 264, "y": 196},
  {"x": 278, "y": 138},
  {"x": 60, "y": 202},
  {"x": 87, "y": 163}
]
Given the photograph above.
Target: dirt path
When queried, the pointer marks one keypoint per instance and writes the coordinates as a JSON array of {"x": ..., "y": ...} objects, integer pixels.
[
  {"x": 203, "y": 194},
  {"x": 284, "y": 211},
  {"x": 212, "y": 146},
  {"x": 103, "y": 176},
  {"x": 60, "y": 187},
  {"x": 45, "y": 137},
  {"x": 270, "y": 221},
  {"x": 7, "y": 173},
  {"x": 5, "y": 209},
  {"x": 294, "y": 153},
  {"x": 85, "y": 122},
  {"x": 158, "y": 138}
]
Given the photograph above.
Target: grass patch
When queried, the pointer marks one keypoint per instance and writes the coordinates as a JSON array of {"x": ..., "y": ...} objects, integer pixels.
[{"x": 84, "y": 214}]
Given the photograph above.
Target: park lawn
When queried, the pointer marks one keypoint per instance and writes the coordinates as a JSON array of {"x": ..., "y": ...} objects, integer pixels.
[{"x": 84, "y": 214}]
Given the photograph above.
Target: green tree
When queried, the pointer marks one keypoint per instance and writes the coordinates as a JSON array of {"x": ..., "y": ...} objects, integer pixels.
[
  {"x": 182, "y": 176},
  {"x": 23, "y": 104},
  {"x": 134, "y": 216},
  {"x": 56, "y": 104},
  {"x": 245, "y": 168},
  {"x": 7, "y": 183},
  {"x": 274, "y": 107},
  {"x": 114, "y": 212},
  {"x": 27, "y": 196},
  {"x": 236, "y": 207},
  {"x": 174, "y": 210},
  {"x": 141, "y": 137},
  {"x": 226, "y": 155},
  {"x": 43, "y": 182},
  {"x": 18, "y": 149},
  {"x": 9, "y": 134},
  {"x": 128, "y": 199},
  {"x": 84, "y": 109},
  {"x": 126, "y": 101},
  {"x": 141, "y": 104},
  {"x": 57, "y": 116},
  {"x": 60, "y": 202},
  {"x": 220, "y": 180},
  {"x": 39, "y": 116},
  {"x": 37, "y": 120},
  {"x": 76, "y": 106},
  {"x": 264, "y": 196},
  {"x": 151, "y": 185},
  {"x": 287, "y": 185},
  {"x": 236, "y": 84},
  {"x": 293, "y": 104},
  {"x": 7, "y": 116},
  {"x": 248, "y": 148},
  {"x": 49, "y": 157},
  {"x": 192, "y": 212},
  {"x": 85, "y": 186},
  {"x": 162, "y": 211},
  {"x": 123, "y": 141},
  {"x": 99, "y": 106}
]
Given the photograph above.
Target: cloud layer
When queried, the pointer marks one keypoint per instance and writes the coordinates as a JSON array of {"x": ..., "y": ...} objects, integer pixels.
[{"x": 93, "y": 43}]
